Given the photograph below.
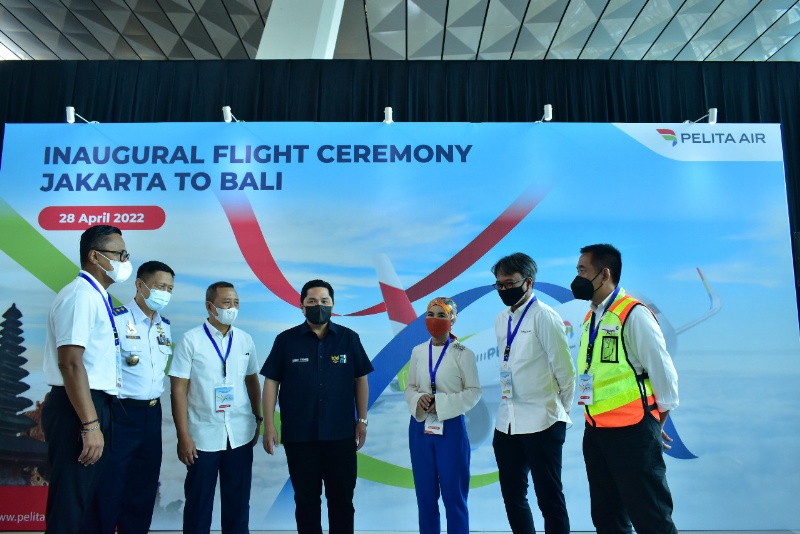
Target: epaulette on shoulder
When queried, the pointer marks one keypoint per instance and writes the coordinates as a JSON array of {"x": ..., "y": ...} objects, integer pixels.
[
  {"x": 122, "y": 310},
  {"x": 164, "y": 320}
]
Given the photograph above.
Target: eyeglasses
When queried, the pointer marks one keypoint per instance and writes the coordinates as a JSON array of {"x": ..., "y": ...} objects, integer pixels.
[
  {"x": 507, "y": 285},
  {"x": 123, "y": 254}
]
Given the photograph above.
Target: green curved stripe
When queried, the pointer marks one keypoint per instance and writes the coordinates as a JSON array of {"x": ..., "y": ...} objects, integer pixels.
[
  {"x": 375, "y": 470},
  {"x": 25, "y": 245}
]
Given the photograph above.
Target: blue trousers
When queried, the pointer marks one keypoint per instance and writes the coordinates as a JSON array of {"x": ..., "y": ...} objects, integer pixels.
[
  {"x": 441, "y": 463},
  {"x": 537, "y": 454},
  {"x": 130, "y": 480},
  {"x": 235, "y": 468}
]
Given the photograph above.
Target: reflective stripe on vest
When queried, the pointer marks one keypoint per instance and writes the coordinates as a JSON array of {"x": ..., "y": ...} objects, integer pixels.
[{"x": 620, "y": 398}]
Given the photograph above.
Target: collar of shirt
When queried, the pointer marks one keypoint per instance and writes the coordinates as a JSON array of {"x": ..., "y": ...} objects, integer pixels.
[
  {"x": 520, "y": 309},
  {"x": 305, "y": 328},
  {"x": 213, "y": 329},
  {"x": 140, "y": 317},
  {"x": 99, "y": 285},
  {"x": 602, "y": 305}
]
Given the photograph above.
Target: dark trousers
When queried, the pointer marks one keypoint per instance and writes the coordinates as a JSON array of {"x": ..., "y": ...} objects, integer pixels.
[
  {"x": 235, "y": 469},
  {"x": 130, "y": 480},
  {"x": 72, "y": 485},
  {"x": 310, "y": 464},
  {"x": 628, "y": 479},
  {"x": 441, "y": 462},
  {"x": 539, "y": 454}
]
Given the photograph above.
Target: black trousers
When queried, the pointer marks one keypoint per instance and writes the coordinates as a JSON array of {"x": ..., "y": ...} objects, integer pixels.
[
  {"x": 628, "y": 479},
  {"x": 312, "y": 463},
  {"x": 72, "y": 485},
  {"x": 235, "y": 470},
  {"x": 537, "y": 453},
  {"x": 130, "y": 480}
]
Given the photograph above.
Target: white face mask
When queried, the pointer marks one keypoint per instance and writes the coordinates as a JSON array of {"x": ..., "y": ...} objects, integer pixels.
[
  {"x": 119, "y": 271},
  {"x": 226, "y": 315},
  {"x": 158, "y": 299}
]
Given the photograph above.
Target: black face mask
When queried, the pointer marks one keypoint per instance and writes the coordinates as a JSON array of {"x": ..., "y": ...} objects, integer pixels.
[
  {"x": 582, "y": 288},
  {"x": 512, "y": 295},
  {"x": 318, "y": 314}
]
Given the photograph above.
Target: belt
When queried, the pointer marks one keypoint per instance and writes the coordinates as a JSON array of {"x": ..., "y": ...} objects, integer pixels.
[{"x": 139, "y": 403}]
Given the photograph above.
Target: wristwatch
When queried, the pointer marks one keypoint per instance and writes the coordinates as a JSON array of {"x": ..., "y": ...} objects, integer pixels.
[
  {"x": 259, "y": 419},
  {"x": 360, "y": 420}
]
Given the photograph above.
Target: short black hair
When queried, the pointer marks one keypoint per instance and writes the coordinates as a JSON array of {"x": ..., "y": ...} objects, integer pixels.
[
  {"x": 153, "y": 267},
  {"x": 94, "y": 238},
  {"x": 315, "y": 283},
  {"x": 605, "y": 256},
  {"x": 516, "y": 263},
  {"x": 211, "y": 292}
]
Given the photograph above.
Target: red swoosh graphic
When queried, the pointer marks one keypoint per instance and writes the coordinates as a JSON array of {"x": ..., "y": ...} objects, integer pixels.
[{"x": 258, "y": 256}]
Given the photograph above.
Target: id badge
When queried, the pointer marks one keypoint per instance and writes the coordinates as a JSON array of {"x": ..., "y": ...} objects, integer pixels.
[
  {"x": 585, "y": 394},
  {"x": 119, "y": 367},
  {"x": 223, "y": 398},
  {"x": 433, "y": 425},
  {"x": 505, "y": 383}
]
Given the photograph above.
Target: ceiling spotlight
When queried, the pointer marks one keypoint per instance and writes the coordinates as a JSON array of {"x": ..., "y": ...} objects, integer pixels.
[
  {"x": 228, "y": 116},
  {"x": 71, "y": 116},
  {"x": 387, "y": 115}
]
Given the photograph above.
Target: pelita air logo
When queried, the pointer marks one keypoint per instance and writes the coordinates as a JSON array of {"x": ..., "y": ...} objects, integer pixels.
[
  {"x": 712, "y": 138},
  {"x": 668, "y": 135}
]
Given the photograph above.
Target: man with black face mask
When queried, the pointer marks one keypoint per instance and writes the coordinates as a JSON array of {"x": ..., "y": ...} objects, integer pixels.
[
  {"x": 627, "y": 387},
  {"x": 537, "y": 379},
  {"x": 318, "y": 372}
]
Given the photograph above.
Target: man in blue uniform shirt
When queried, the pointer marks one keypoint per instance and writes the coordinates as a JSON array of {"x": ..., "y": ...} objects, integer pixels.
[
  {"x": 321, "y": 371},
  {"x": 130, "y": 481}
]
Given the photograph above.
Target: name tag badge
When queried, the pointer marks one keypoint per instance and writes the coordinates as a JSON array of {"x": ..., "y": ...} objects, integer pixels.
[
  {"x": 223, "y": 398},
  {"x": 433, "y": 425},
  {"x": 505, "y": 383},
  {"x": 585, "y": 386}
]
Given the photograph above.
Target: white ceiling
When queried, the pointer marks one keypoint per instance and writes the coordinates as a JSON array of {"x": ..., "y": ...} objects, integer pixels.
[{"x": 664, "y": 30}]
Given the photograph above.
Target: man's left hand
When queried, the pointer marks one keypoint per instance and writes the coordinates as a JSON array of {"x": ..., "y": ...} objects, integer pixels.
[{"x": 361, "y": 435}]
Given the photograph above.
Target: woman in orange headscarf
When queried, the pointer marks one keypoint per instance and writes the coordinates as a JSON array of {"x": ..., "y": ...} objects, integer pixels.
[{"x": 442, "y": 386}]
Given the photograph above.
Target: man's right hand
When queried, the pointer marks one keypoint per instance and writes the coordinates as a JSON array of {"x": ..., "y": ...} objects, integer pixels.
[
  {"x": 187, "y": 452},
  {"x": 270, "y": 439},
  {"x": 93, "y": 444}
]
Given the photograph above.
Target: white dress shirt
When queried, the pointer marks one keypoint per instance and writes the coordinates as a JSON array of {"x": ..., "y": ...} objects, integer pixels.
[
  {"x": 647, "y": 351},
  {"x": 457, "y": 386},
  {"x": 150, "y": 342},
  {"x": 542, "y": 371},
  {"x": 196, "y": 360},
  {"x": 79, "y": 317}
]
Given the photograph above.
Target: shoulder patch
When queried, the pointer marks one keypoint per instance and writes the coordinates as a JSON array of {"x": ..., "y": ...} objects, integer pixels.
[
  {"x": 122, "y": 310},
  {"x": 164, "y": 320}
]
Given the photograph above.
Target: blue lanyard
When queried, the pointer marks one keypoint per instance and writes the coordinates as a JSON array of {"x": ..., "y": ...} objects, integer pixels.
[
  {"x": 108, "y": 306},
  {"x": 431, "y": 369},
  {"x": 219, "y": 352},
  {"x": 511, "y": 335},
  {"x": 593, "y": 330}
]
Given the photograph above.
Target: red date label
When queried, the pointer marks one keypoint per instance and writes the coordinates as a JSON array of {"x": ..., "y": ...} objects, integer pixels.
[{"x": 82, "y": 217}]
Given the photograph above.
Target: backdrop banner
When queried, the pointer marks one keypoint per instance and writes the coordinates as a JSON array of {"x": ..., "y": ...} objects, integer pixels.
[{"x": 393, "y": 215}]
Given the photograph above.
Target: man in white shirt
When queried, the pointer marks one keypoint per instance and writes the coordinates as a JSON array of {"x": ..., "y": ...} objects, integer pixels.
[
  {"x": 627, "y": 387},
  {"x": 81, "y": 363},
  {"x": 216, "y": 406},
  {"x": 130, "y": 481},
  {"x": 537, "y": 379}
]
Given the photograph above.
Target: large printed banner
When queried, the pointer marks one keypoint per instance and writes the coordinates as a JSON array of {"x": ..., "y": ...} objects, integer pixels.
[{"x": 393, "y": 215}]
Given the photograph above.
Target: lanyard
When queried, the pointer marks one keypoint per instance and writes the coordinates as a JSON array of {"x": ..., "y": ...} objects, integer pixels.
[
  {"x": 219, "y": 352},
  {"x": 593, "y": 330},
  {"x": 511, "y": 335},
  {"x": 107, "y": 304},
  {"x": 431, "y": 369}
]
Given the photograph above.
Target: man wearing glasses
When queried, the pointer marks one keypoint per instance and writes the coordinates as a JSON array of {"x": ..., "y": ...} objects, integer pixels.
[
  {"x": 82, "y": 364},
  {"x": 130, "y": 481},
  {"x": 537, "y": 382}
]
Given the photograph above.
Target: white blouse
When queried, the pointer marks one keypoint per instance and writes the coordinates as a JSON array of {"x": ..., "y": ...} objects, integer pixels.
[{"x": 457, "y": 387}]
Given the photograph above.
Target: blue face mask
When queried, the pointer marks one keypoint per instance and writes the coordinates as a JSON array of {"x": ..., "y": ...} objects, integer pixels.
[{"x": 158, "y": 299}]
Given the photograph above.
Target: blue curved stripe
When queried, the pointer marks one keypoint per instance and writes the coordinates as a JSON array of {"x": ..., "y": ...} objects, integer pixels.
[{"x": 678, "y": 450}]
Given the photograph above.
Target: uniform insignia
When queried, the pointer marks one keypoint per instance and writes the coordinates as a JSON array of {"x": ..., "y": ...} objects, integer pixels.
[
  {"x": 335, "y": 359},
  {"x": 131, "y": 330},
  {"x": 164, "y": 320},
  {"x": 120, "y": 311}
]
